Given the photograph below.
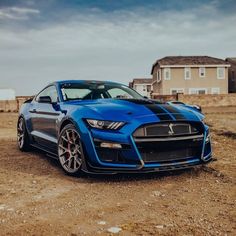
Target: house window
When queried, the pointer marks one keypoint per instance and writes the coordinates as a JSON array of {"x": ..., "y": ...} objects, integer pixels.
[
  {"x": 167, "y": 73},
  {"x": 187, "y": 73},
  {"x": 202, "y": 72},
  {"x": 220, "y": 73},
  {"x": 159, "y": 75},
  {"x": 174, "y": 91},
  {"x": 144, "y": 87},
  {"x": 215, "y": 90},
  {"x": 197, "y": 91},
  {"x": 148, "y": 88}
]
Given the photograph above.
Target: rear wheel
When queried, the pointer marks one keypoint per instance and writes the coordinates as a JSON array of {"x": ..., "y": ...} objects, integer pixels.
[
  {"x": 70, "y": 150},
  {"x": 22, "y": 135}
]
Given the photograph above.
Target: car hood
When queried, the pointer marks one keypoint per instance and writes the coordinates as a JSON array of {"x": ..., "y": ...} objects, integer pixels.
[{"x": 129, "y": 109}]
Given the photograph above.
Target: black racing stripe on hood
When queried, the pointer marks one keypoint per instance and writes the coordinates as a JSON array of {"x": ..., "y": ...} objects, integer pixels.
[
  {"x": 153, "y": 107},
  {"x": 160, "y": 113},
  {"x": 174, "y": 112},
  {"x": 141, "y": 101}
]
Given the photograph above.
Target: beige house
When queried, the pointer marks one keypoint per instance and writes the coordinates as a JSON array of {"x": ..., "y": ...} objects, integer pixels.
[
  {"x": 142, "y": 85},
  {"x": 190, "y": 75}
]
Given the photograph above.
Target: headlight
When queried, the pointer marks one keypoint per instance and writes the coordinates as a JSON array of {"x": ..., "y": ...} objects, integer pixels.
[{"x": 104, "y": 124}]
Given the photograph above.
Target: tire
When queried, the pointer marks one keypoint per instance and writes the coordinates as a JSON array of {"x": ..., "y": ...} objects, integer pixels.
[
  {"x": 22, "y": 136},
  {"x": 70, "y": 152}
]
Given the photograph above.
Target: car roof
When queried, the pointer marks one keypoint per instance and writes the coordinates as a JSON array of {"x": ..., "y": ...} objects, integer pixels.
[{"x": 84, "y": 82}]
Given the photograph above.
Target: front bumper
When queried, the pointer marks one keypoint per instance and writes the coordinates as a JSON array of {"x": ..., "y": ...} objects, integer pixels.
[{"x": 129, "y": 159}]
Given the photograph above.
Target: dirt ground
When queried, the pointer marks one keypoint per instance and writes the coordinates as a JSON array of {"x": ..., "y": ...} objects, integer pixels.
[{"x": 37, "y": 198}]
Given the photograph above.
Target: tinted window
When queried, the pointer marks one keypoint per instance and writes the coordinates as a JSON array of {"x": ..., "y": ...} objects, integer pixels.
[{"x": 50, "y": 91}]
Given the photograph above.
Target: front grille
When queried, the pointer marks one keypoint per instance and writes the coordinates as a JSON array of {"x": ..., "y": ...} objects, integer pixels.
[
  {"x": 167, "y": 129},
  {"x": 176, "y": 150}
]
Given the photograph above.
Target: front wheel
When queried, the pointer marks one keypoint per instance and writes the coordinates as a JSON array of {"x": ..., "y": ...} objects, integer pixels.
[
  {"x": 22, "y": 136},
  {"x": 70, "y": 150}
]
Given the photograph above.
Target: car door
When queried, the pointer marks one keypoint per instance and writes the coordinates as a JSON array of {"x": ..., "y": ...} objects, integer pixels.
[{"x": 44, "y": 119}]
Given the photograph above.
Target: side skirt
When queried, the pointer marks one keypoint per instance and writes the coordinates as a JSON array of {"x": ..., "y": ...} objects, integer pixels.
[{"x": 48, "y": 153}]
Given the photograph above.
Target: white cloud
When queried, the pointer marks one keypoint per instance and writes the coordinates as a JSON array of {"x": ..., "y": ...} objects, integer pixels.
[
  {"x": 21, "y": 10},
  {"x": 17, "y": 13},
  {"x": 110, "y": 46}
]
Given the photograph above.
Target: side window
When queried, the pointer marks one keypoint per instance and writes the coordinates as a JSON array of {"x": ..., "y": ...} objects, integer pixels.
[
  {"x": 50, "y": 91},
  {"x": 118, "y": 93},
  {"x": 167, "y": 75},
  {"x": 187, "y": 73},
  {"x": 202, "y": 72},
  {"x": 220, "y": 73}
]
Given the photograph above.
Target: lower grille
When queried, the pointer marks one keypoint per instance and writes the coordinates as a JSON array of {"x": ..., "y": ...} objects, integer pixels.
[
  {"x": 154, "y": 152},
  {"x": 115, "y": 156}
]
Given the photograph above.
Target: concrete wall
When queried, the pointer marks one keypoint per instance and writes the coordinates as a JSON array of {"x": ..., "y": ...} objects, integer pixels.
[
  {"x": 209, "y": 100},
  {"x": 9, "y": 106},
  {"x": 12, "y": 105},
  {"x": 205, "y": 100},
  {"x": 165, "y": 98}
]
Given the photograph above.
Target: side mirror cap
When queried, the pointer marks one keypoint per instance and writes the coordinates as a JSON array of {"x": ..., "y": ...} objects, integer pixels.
[{"x": 45, "y": 99}]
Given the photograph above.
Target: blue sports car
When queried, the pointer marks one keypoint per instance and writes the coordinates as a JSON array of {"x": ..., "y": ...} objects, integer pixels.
[{"x": 106, "y": 127}]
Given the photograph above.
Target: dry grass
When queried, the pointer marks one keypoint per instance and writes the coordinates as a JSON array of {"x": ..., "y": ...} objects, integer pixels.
[{"x": 36, "y": 198}]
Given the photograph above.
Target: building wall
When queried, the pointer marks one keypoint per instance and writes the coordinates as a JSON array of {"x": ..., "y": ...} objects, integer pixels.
[
  {"x": 232, "y": 78},
  {"x": 178, "y": 81},
  {"x": 157, "y": 85},
  {"x": 142, "y": 89}
]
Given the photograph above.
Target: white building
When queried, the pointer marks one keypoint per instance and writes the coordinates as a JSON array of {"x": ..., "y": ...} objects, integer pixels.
[
  {"x": 142, "y": 85},
  {"x": 7, "y": 94}
]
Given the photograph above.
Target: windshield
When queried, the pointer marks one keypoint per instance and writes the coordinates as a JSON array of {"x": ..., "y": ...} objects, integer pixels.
[{"x": 91, "y": 90}]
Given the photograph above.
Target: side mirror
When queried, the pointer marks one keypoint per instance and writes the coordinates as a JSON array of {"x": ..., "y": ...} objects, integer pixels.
[
  {"x": 145, "y": 97},
  {"x": 45, "y": 99}
]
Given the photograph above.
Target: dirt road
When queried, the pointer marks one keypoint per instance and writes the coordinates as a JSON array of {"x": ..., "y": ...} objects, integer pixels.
[{"x": 37, "y": 198}]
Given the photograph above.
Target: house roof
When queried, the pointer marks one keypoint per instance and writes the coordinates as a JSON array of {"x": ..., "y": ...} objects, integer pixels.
[
  {"x": 142, "y": 81},
  {"x": 231, "y": 60},
  {"x": 188, "y": 60}
]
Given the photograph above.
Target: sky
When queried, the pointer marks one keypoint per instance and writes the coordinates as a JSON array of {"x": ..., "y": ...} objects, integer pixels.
[{"x": 42, "y": 41}]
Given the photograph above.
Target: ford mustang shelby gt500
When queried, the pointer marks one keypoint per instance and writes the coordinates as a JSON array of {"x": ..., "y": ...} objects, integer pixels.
[{"x": 106, "y": 127}]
